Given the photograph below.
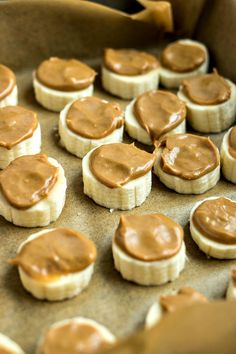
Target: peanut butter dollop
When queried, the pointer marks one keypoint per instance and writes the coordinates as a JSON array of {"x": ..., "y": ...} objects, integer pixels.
[
  {"x": 4, "y": 350},
  {"x": 207, "y": 89},
  {"x": 129, "y": 62},
  {"x": 116, "y": 164},
  {"x": 233, "y": 276},
  {"x": 73, "y": 338},
  {"x": 65, "y": 74},
  {"x": 27, "y": 180},
  {"x": 216, "y": 220},
  {"x": 159, "y": 112},
  {"x": 16, "y": 125},
  {"x": 7, "y": 81},
  {"x": 182, "y": 57},
  {"x": 188, "y": 156},
  {"x": 232, "y": 142},
  {"x": 150, "y": 237},
  {"x": 185, "y": 297},
  {"x": 94, "y": 118},
  {"x": 58, "y": 252}
]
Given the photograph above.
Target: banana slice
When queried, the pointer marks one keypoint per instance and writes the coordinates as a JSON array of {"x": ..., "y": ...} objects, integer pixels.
[
  {"x": 211, "y": 118},
  {"x": 8, "y": 346},
  {"x": 42, "y": 213},
  {"x": 215, "y": 215},
  {"x": 172, "y": 79},
  {"x": 231, "y": 290},
  {"x": 84, "y": 335},
  {"x": 79, "y": 145},
  {"x": 11, "y": 99},
  {"x": 227, "y": 160}
]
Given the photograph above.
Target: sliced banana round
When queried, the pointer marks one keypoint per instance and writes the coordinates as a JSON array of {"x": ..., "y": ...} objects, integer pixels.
[
  {"x": 127, "y": 73},
  {"x": 11, "y": 99},
  {"x": 212, "y": 227},
  {"x": 8, "y": 87},
  {"x": 31, "y": 202},
  {"x": 149, "y": 249},
  {"x": 196, "y": 177},
  {"x": 55, "y": 264},
  {"x": 117, "y": 176},
  {"x": 7, "y": 346},
  {"x": 231, "y": 290},
  {"x": 83, "y": 336},
  {"x": 59, "y": 81},
  {"x": 172, "y": 79},
  {"x": 98, "y": 120},
  {"x": 228, "y": 155}
]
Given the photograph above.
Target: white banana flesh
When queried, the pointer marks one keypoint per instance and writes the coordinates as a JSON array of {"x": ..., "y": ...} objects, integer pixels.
[
  {"x": 10, "y": 346},
  {"x": 55, "y": 100},
  {"x": 11, "y": 99},
  {"x": 28, "y": 146},
  {"x": 231, "y": 291},
  {"x": 183, "y": 186},
  {"x": 45, "y": 211},
  {"x": 211, "y": 118},
  {"x": 154, "y": 315},
  {"x": 78, "y": 145},
  {"x": 137, "y": 132},
  {"x": 126, "y": 197},
  {"x": 172, "y": 79},
  {"x": 128, "y": 87},
  {"x": 228, "y": 162},
  {"x": 148, "y": 273},
  {"x": 209, "y": 247}
]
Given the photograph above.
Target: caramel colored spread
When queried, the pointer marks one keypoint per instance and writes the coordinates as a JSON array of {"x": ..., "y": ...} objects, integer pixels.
[
  {"x": 188, "y": 156},
  {"x": 116, "y": 164},
  {"x": 56, "y": 253},
  {"x": 159, "y": 112},
  {"x": 207, "y": 89},
  {"x": 27, "y": 180},
  {"x": 65, "y": 74},
  {"x": 4, "y": 350},
  {"x": 129, "y": 62},
  {"x": 149, "y": 238},
  {"x": 185, "y": 297},
  {"x": 233, "y": 276},
  {"x": 232, "y": 142},
  {"x": 73, "y": 338},
  {"x": 94, "y": 118},
  {"x": 182, "y": 57},
  {"x": 7, "y": 81},
  {"x": 216, "y": 220},
  {"x": 16, "y": 125}
]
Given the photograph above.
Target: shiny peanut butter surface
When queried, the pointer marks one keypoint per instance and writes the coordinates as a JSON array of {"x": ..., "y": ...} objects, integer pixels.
[
  {"x": 27, "y": 180},
  {"x": 116, "y": 164},
  {"x": 216, "y": 220},
  {"x": 7, "y": 81},
  {"x": 4, "y": 350},
  {"x": 16, "y": 125},
  {"x": 150, "y": 237},
  {"x": 58, "y": 252},
  {"x": 182, "y": 57},
  {"x": 129, "y": 62},
  {"x": 65, "y": 74},
  {"x": 159, "y": 112},
  {"x": 73, "y": 338},
  {"x": 185, "y": 297},
  {"x": 209, "y": 89},
  {"x": 188, "y": 156},
  {"x": 94, "y": 118},
  {"x": 232, "y": 142}
]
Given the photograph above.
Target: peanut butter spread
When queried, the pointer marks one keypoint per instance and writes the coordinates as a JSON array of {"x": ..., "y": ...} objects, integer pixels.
[
  {"x": 116, "y": 164},
  {"x": 216, "y": 220},
  {"x": 7, "y": 81},
  {"x": 185, "y": 297},
  {"x": 232, "y": 142},
  {"x": 16, "y": 125},
  {"x": 27, "y": 180},
  {"x": 183, "y": 57},
  {"x": 188, "y": 156},
  {"x": 159, "y": 112},
  {"x": 149, "y": 238},
  {"x": 4, "y": 350},
  {"x": 65, "y": 74},
  {"x": 56, "y": 253},
  {"x": 94, "y": 118},
  {"x": 129, "y": 62},
  {"x": 207, "y": 89},
  {"x": 233, "y": 276}
]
